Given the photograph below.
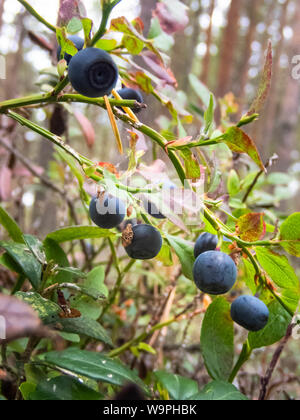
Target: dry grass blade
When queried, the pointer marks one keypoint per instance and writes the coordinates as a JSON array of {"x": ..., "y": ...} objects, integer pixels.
[
  {"x": 128, "y": 111},
  {"x": 114, "y": 124}
]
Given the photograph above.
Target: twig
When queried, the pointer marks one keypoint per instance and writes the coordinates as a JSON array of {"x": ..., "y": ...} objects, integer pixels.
[
  {"x": 266, "y": 379},
  {"x": 270, "y": 162}
]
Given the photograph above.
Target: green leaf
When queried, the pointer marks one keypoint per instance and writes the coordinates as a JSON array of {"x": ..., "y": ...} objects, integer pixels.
[
  {"x": 11, "y": 226},
  {"x": 86, "y": 326},
  {"x": 26, "y": 389},
  {"x": 95, "y": 366},
  {"x": 133, "y": 45},
  {"x": 36, "y": 247},
  {"x": 74, "y": 26},
  {"x": 47, "y": 310},
  {"x": 74, "y": 272},
  {"x": 87, "y": 25},
  {"x": 95, "y": 281},
  {"x": 178, "y": 387},
  {"x": 283, "y": 275},
  {"x": 185, "y": 252},
  {"x": 233, "y": 183},
  {"x": 290, "y": 234},
  {"x": 219, "y": 391},
  {"x": 122, "y": 25},
  {"x": 192, "y": 167},
  {"x": 209, "y": 115},
  {"x": 249, "y": 276},
  {"x": 94, "y": 289},
  {"x": 10, "y": 264},
  {"x": 67, "y": 46},
  {"x": 217, "y": 339},
  {"x": 201, "y": 90},
  {"x": 106, "y": 44},
  {"x": 165, "y": 255},
  {"x": 23, "y": 257},
  {"x": 274, "y": 331},
  {"x": 239, "y": 142},
  {"x": 79, "y": 232},
  {"x": 54, "y": 253},
  {"x": 63, "y": 388}
]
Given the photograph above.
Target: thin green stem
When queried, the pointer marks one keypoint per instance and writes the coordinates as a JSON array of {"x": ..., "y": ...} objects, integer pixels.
[
  {"x": 117, "y": 286},
  {"x": 244, "y": 357},
  {"x": 45, "y": 133},
  {"x": 106, "y": 11},
  {"x": 34, "y": 13},
  {"x": 141, "y": 337}
]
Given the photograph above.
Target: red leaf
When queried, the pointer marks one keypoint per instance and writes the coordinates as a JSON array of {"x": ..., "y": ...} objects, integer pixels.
[
  {"x": 165, "y": 74},
  {"x": 86, "y": 128},
  {"x": 67, "y": 10},
  {"x": 18, "y": 319},
  {"x": 177, "y": 143},
  {"x": 5, "y": 183},
  {"x": 238, "y": 141},
  {"x": 251, "y": 227},
  {"x": 172, "y": 18}
]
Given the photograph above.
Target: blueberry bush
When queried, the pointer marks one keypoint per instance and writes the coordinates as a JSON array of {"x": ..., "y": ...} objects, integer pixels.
[{"x": 164, "y": 250}]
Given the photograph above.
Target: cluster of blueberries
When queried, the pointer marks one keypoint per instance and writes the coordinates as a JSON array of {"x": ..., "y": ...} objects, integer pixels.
[
  {"x": 215, "y": 273},
  {"x": 93, "y": 73},
  {"x": 108, "y": 212}
]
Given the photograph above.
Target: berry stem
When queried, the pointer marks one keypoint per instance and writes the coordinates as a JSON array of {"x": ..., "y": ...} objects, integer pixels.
[{"x": 34, "y": 13}]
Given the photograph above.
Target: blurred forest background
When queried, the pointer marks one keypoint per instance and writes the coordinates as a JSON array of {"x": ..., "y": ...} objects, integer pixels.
[{"x": 223, "y": 44}]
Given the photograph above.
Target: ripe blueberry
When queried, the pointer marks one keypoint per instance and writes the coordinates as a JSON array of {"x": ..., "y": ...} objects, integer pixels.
[
  {"x": 205, "y": 242},
  {"x": 77, "y": 41},
  {"x": 93, "y": 73},
  {"x": 250, "y": 313},
  {"x": 107, "y": 211},
  {"x": 127, "y": 93},
  {"x": 214, "y": 273},
  {"x": 145, "y": 244}
]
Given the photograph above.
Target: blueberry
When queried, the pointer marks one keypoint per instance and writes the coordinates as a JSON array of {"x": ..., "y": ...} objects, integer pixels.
[
  {"x": 77, "y": 41},
  {"x": 250, "y": 313},
  {"x": 127, "y": 93},
  {"x": 214, "y": 273},
  {"x": 93, "y": 73},
  {"x": 205, "y": 242},
  {"x": 107, "y": 211},
  {"x": 146, "y": 243}
]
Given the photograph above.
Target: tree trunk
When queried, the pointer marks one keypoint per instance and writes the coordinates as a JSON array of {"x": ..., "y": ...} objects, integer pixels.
[
  {"x": 227, "y": 48},
  {"x": 253, "y": 16},
  {"x": 274, "y": 94},
  {"x": 206, "y": 60}
]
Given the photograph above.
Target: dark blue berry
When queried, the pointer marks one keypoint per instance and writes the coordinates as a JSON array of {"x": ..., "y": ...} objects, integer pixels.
[
  {"x": 214, "y": 273},
  {"x": 107, "y": 211},
  {"x": 93, "y": 73},
  {"x": 205, "y": 242},
  {"x": 77, "y": 41},
  {"x": 145, "y": 244},
  {"x": 127, "y": 93},
  {"x": 250, "y": 313}
]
